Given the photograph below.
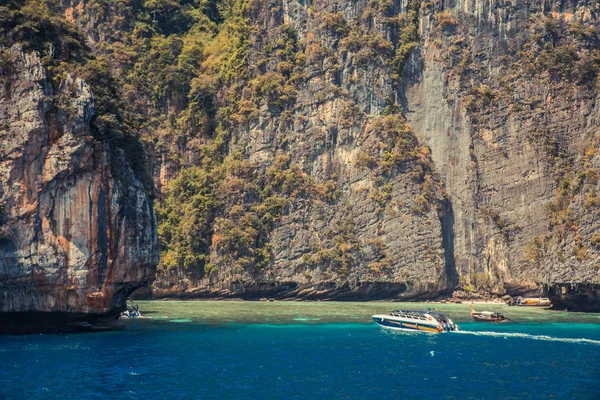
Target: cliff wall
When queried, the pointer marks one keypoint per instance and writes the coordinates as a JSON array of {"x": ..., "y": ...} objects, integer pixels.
[
  {"x": 372, "y": 149},
  {"x": 77, "y": 230},
  {"x": 500, "y": 98},
  {"x": 365, "y": 220},
  {"x": 505, "y": 94}
]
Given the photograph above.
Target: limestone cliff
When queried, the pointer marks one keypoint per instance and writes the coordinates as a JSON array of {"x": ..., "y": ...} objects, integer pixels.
[
  {"x": 505, "y": 94},
  {"x": 77, "y": 230},
  {"x": 366, "y": 221},
  {"x": 366, "y": 149},
  {"x": 501, "y": 97}
]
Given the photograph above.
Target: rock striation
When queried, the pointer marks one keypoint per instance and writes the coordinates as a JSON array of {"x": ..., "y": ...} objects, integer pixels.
[
  {"x": 385, "y": 232},
  {"x": 77, "y": 229},
  {"x": 513, "y": 130}
]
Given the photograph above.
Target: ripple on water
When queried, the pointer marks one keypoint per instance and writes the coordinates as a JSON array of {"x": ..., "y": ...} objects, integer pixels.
[
  {"x": 529, "y": 336},
  {"x": 302, "y": 353}
]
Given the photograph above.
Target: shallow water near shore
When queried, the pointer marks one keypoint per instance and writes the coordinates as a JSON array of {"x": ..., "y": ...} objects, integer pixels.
[{"x": 302, "y": 350}]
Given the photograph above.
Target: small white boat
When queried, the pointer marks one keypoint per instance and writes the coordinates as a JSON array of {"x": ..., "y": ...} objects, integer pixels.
[
  {"x": 416, "y": 320},
  {"x": 487, "y": 316},
  {"x": 131, "y": 312}
]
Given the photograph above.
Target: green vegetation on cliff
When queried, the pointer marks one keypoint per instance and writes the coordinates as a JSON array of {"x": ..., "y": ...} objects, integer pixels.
[
  {"x": 39, "y": 26},
  {"x": 193, "y": 77}
]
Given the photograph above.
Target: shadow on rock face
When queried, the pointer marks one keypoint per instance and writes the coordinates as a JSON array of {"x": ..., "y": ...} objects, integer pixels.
[
  {"x": 57, "y": 322},
  {"x": 575, "y": 297}
]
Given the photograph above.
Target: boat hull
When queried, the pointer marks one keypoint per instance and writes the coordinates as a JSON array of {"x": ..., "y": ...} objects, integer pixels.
[
  {"x": 539, "y": 304},
  {"x": 404, "y": 325},
  {"x": 533, "y": 302},
  {"x": 483, "y": 319}
]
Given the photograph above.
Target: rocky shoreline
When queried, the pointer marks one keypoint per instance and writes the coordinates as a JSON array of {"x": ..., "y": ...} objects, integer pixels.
[
  {"x": 585, "y": 301},
  {"x": 55, "y": 322},
  {"x": 363, "y": 291}
]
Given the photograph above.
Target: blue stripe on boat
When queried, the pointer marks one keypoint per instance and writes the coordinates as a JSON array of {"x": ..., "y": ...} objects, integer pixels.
[{"x": 398, "y": 324}]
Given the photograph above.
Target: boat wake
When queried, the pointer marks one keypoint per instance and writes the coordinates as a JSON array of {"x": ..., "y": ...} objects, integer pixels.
[{"x": 528, "y": 336}]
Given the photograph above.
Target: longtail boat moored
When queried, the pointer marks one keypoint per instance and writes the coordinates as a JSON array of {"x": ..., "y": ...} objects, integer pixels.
[{"x": 487, "y": 316}]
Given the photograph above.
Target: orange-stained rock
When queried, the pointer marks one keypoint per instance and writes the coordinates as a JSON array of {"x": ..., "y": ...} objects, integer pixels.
[{"x": 77, "y": 230}]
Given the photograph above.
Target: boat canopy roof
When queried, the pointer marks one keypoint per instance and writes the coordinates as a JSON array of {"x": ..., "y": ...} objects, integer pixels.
[
  {"x": 413, "y": 311},
  {"x": 430, "y": 312}
]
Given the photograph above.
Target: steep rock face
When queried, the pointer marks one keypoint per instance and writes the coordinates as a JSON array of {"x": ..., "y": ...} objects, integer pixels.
[
  {"x": 503, "y": 199},
  {"x": 369, "y": 218},
  {"x": 75, "y": 240},
  {"x": 513, "y": 131},
  {"x": 511, "y": 126},
  {"x": 381, "y": 235}
]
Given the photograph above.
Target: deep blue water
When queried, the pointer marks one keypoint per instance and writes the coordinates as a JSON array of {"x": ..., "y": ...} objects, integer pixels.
[{"x": 167, "y": 360}]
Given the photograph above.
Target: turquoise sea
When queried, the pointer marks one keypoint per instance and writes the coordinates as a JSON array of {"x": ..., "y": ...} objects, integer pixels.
[{"x": 291, "y": 350}]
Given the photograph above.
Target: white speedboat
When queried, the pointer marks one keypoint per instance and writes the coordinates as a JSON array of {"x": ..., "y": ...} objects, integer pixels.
[{"x": 416, "y": 320}]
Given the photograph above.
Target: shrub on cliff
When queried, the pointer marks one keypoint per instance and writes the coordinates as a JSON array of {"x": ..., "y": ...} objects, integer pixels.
[
  {"x": 445, "y": 19},
  {"x": 339, "y": 251},
  {"x": 336, "y": 23},
  {"x": 398, "y": 140},
  {"x": 185, "y": 222},
  {"x": 37, "y": 27},
  {"x": 563, "y": 49},
  {"x": 365, "y": 160}
]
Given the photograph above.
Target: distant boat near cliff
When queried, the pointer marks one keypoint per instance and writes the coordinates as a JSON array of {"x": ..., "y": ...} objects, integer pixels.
[{"x": 532, "y": 301}]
